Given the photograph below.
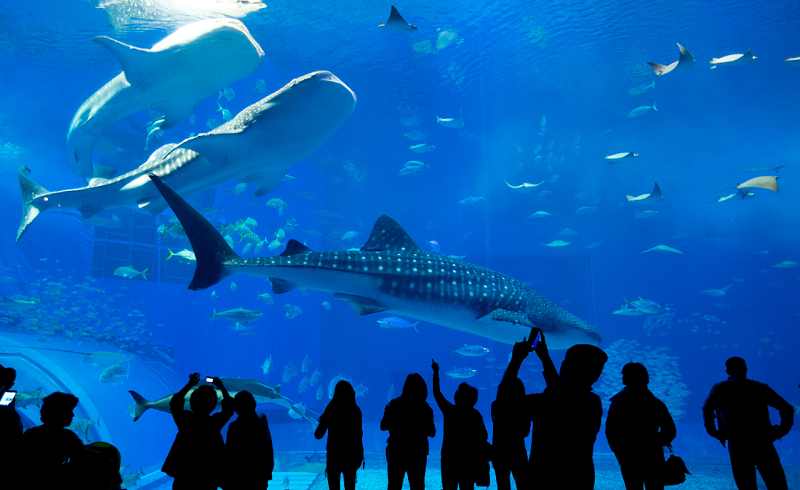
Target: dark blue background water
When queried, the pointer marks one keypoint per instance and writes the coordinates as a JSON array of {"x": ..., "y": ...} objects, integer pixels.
[{"x": 510, "y": 64}]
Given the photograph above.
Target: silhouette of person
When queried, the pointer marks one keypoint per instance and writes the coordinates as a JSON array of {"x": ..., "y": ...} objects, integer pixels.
[
  {"x": 566, "y": 416},
  {"x": 51, "y": 450},
  {"x": 248, "y": 449},
  {"x": 740, "y": 406},
  {"x": 195, "y": 457},
  {"x": 510, "y": 428},
  {"x": 638, "y": 426},
  {"x": 342, "y": 421},
  {"x": 10, "y": 431},
  {"x": 464, "y": 438},
  {"x": 409, "y": 420}
]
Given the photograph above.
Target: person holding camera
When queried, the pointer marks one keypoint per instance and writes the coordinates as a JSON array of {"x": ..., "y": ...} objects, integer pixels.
[{"x": 194, "y": 460}]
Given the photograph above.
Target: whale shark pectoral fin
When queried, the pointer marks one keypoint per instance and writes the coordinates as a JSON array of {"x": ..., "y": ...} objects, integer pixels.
[
  {"x": 500, "y": 315},
  {"x": 266, "y": 181},
  {"x": 280, "y": 286},
  {"x": 174, "y": 112},
  {"x": 132, "y": 59},
  {"x": 212, "y": 146},
  {"x": 361, "y": 305},
  {"x": 89, "y": 211}
]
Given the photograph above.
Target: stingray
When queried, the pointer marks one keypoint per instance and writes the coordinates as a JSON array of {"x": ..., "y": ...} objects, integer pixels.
[
  {"x": 619, "y": 156},
  {"x": 740, "y": 194},
  {"x": 652, "y": 197},
  {"x": 397, "y": 23},
  {"x": 792, "y": 61},
  {"x": 786, "y": 264},
  {"x": 662, "y": 248},
  {"x": 524, "y": 187},
  {"x": 733, "y": 59},
  {"x": 766, "y": 182},
  {"x": 559, "y": 243},
  {"x": 685, "y": 61}
]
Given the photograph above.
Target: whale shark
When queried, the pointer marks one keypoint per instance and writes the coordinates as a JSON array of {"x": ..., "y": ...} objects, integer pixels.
[
  {"x": 685, "y": 61},
  {"x": 257, "y": 147},
  {"x": 390, "y": 274},
  {"x": 179, "y": 71}
]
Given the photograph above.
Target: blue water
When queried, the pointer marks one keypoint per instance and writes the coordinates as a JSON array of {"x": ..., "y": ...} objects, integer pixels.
[{"x": 506, "y": 66}]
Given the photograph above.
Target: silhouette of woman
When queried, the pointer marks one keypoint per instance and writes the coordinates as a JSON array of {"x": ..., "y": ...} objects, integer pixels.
[{"x": 342, "y": 420}]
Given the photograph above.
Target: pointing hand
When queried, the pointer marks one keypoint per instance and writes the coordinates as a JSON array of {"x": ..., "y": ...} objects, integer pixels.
[{"x": 435, "y": 367}]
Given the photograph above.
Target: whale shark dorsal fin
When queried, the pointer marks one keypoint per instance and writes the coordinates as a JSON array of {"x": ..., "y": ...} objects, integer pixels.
[
  {"x": 277, "y": 388},
  {"x": 389, "y": 236},
  {"x": 132, "y": 59},
  {"x": 293, "y": 247}
]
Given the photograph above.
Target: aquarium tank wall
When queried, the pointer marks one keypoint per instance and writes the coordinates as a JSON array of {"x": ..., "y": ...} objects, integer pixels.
[{"x": 376, "y": 188}]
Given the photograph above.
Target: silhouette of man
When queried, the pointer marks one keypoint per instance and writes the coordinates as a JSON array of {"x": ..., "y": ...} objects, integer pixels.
[
  {"x": 465, "y": 436},
  {"x": 566, "y": 416},
  {"x": 638, "y": 426},
  {"x": 342, "y": 421},
  {"x": 192, "y": 460},
  {"x": 409, "y": 420},
  {"x": 740, "y": 406},
  {"x": 249, "y": 447},
  {"x": 10, "y": 431},
  {"x": 51, "y": 449}
]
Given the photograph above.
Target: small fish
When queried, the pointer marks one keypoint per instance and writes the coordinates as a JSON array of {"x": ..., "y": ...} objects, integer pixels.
[
  {"x": 625, "y": 311},
  {"x": 470, "y": 200},
  {"x": 267, "y": 367},
  {"x": 539, "y": 215},
  {"x": 265, "y": 298},
  {"x": 422, "y": 148},
  {"x": 129, "y": 272},
  {"x": 306, "y": 364},
  {"x": 544, "y": 194},
  {"x": 585, "y": 210},
  {"x": 434, "y": 246},
  {"x": 233, "y": 287},
  {"x": 320, "y": 393},
  {"x": 786, "y": 264},
  {"x": 192, "y": 119},
  {"x": 228, "y": 93},
  {"x": 410, "y": 170},
  {"x": 351, "y": 235},
  {"x": 461, "y": 373},
  {"x": 717, "y": 292},
  {"x": 471, "y": 350},
  {"x": 620, "y": 156},
  {"x": 260, "y": 87},
  {"x": 452, "y": 122},
  {"x": 640, "y": 89},
  {"x": 642, "y": 110},
  {"x": 395, "y": 322},
  {"x": 326, "y": 305},
  {"x": 304, "y": 195},
  {"x": 552, "y": 179}
]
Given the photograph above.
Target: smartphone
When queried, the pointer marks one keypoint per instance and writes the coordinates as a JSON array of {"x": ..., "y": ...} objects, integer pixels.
[
  {"x": 209, "y": 379},
  {"x": 537, "y": 339},
  {"x": 8, "y": 397}
]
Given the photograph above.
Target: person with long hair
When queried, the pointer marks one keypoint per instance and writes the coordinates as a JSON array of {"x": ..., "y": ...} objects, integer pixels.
[
  {"x": 409, "y": 420},
  {"x": 342, "y": 421}
]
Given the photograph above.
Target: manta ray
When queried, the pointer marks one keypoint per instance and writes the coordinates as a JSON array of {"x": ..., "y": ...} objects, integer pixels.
[
  {"x": 179, "y": 71},
  {"x": 257, "y": 147},
  {"x": 397, "y": 23},
  {"x": 733, "y": 59},
  {"x": 652, "y": 197},
  {"x": 390, "y": 274},
  {"x": 685, "y": 61}
]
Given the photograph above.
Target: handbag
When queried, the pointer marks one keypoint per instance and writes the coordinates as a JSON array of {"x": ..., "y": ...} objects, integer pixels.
[{"x": 674, "y": 469}]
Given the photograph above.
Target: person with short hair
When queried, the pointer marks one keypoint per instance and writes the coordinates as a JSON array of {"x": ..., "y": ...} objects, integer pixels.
[
  {"x": 50, "y": 450},
  {"x": 249, "y": 454},
  {"x": 741, "y": 409},
  {"x": 194, "y": 460},
  {"x": 638, "y": 427},
  {"x": 465, "y": 440},
  {"x": 342, "y": 421}
]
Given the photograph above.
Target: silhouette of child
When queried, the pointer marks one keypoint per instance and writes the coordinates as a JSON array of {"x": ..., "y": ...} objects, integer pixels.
[
  {"x": 409, "y": 420},
  {"x": 638, "y": 426},
  {"x": 51, "y": 450},
  {"x": 196, "y": 455},
  {"x": 511, "y": 427},
  {"x": 342, "y": 421},
  {"x": 464, "y": 451},
  {"x": 249, "y": 447}
]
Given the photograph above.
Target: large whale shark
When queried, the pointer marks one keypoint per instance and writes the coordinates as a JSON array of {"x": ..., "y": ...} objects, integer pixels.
[
  {"x": 179, "y": 71},
  {"x": 390, "y": 273},
  {"x": 257, "y": 147}
]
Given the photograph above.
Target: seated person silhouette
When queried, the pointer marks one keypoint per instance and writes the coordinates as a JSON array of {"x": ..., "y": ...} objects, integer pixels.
[
  {"x": 198, "y": 444},
  {"x": 464, "y": 451},
  {"x": 51, "y": 450},
  {"x": 248, "y": 449},
  {"x": 342, "y": 421},
  {"x": 409, "y": 420},
  {"x": 566, "y": 416},
  {"x": 638, "y": 427},
  {"x": 741, "y": 407}
]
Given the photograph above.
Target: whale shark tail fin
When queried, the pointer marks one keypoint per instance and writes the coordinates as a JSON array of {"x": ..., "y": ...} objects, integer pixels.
[
  {"x": 214, "y": 257},
  {"x": 34, "y": 200}
]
